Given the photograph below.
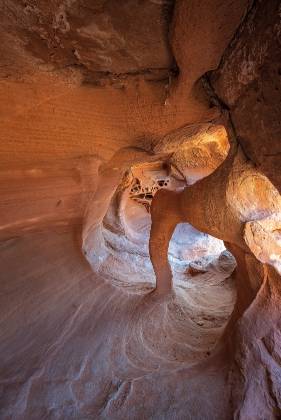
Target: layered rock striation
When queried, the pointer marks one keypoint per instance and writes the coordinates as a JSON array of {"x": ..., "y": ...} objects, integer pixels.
[{"x": 140, "y": 209}]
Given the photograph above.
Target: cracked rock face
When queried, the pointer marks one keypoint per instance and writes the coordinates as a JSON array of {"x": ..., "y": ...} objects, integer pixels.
[
  {"x": 140, "y": 209},
  {"x": 248, "y": 80}
]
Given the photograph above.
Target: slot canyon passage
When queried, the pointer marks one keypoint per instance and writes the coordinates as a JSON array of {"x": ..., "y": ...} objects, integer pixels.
[{"x": 140, "y": 209}]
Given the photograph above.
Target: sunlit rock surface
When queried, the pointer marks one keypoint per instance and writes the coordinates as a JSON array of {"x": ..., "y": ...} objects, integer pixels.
[{"x": 140, "y": 210}]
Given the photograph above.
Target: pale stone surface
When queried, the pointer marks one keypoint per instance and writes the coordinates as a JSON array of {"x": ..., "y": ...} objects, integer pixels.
[{"x": 73, "y": 346}]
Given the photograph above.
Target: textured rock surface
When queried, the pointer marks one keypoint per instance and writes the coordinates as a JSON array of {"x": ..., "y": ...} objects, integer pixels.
[
  {"x": 33, "y": 197},
  {"x": 114, "y": 116},
  {"x": 240, "y": 206},
  {"x": 73, "y": 346},
  {"x": 248, "y": 81}
]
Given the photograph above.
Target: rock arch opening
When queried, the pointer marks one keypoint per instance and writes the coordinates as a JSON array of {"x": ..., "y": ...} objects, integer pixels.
[
  {"x": 140, "y": 155},
  {"x": 204, "y": 289}
]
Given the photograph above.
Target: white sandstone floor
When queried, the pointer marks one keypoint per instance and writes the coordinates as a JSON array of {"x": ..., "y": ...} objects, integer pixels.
[{"x": 75, "y": 347}]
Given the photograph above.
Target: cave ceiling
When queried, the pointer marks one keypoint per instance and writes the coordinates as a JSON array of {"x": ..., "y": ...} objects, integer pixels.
[{"x": 140, "y": 209}]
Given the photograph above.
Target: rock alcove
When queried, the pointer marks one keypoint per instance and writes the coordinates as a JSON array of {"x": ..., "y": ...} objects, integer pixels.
[{"x": 140, "y": 209}]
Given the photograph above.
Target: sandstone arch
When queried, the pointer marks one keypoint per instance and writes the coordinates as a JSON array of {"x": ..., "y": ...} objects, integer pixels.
[{"x": 102, "y": 105}]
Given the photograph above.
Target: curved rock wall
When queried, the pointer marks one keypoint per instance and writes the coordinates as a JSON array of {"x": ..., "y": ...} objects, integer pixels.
[{"x": 135, "y": 139}]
